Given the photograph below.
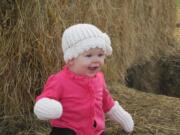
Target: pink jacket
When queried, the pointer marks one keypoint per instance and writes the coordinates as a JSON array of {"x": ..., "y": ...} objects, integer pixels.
[{"x": 84, "y": 100}]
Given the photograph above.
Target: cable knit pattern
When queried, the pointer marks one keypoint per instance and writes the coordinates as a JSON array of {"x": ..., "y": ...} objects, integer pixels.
[
  {"x": 81, "y": 37},
  {"x": 119, "y": 115},
  {"x": 47, "y": 109}
]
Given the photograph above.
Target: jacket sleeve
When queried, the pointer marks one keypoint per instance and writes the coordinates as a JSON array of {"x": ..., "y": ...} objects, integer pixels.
[
  {"x": 108, "y": 101},
  {"x": 48, "y": 105},
  {"x": 52, "y": 89}
]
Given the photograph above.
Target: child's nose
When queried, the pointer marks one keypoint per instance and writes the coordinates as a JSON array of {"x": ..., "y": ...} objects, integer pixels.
[
  {"x": 96, "y": 64},
  {"x": 96, "y": 60}
]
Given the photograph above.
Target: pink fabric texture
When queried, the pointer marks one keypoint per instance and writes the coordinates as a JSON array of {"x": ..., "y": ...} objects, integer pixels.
[{"x": 84, "y": 100}]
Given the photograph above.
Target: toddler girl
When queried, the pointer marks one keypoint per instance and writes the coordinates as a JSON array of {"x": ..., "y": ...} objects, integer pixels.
[{"x": 76, "y": 98}]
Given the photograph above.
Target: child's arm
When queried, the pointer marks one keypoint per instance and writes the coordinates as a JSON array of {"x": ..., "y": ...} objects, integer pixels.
[
  {"x": 46, "y": 109},
  {"x": 119, "y": 115}
]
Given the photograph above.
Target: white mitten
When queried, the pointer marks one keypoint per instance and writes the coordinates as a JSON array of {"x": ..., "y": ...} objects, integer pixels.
[
  {"x": 47, "y": 109},
  {"x": 119, "y": 115}
]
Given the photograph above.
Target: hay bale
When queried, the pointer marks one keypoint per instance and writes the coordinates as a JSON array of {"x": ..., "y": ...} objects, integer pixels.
[
  {"x": 29, "y": 52},
  {"x": 30, "y": 42}
]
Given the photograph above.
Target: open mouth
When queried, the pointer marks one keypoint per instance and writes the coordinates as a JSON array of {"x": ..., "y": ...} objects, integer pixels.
[{"x": 93, "y": 68}]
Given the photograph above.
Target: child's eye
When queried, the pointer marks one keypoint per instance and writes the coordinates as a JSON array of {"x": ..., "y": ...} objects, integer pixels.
[
  {"x": 101, "y": 54},
  {"x": 88, "y": 55}
]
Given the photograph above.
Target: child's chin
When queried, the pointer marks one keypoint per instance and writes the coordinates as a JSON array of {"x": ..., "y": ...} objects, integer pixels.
[{"x": 91, "y": 74}]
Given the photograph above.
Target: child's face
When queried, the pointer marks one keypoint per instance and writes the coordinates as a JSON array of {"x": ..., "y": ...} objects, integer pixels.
[{"x": 88, "y": 63}]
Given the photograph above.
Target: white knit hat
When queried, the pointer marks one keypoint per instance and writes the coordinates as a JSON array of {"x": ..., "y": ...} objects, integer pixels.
[{"x": 81, "y": 37}]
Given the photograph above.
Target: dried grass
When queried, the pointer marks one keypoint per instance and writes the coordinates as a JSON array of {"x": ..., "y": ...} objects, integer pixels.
[
  {"x": 30, "y": 44},
  {"x": 153, "y": 114}
]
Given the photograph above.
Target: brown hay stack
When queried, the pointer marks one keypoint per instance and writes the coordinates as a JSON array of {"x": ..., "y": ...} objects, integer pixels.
[{"x": 30, "y": 44}]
